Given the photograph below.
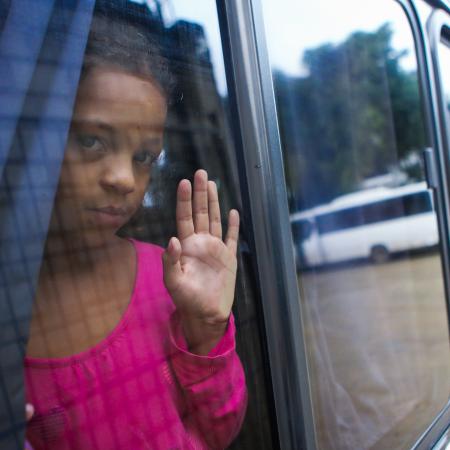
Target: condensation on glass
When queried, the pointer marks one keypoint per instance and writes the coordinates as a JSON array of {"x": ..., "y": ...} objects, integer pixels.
[
  {"x": 364, "y": 227},
  {"x": 108, "y": 118}
]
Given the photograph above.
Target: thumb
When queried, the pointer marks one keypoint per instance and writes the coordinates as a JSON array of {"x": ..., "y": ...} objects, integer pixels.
[
  {"x": 171, "y": 263},
  {"x": 29, "y": 411}
]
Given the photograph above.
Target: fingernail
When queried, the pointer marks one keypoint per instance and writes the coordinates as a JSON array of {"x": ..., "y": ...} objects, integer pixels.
[
  {"x": 29, "y": 408},
  {"x": 171, "y": 245}
]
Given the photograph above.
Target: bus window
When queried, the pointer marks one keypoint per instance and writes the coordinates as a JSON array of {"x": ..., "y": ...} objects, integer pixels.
[
  {"x": 382, "y": 211},
  {"x": 417, "y": 203},
  {"x": 339, "y": 220},
  {"x": 391, "y": 209},
  {"x": 352, "y": 132},
  {"x": 371, "y": 212},
  {"x": 301, "y": 229},
  {"x": 113, "y": 109}
]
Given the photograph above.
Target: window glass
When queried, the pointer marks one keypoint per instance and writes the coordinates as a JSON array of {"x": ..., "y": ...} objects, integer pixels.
[
  {"x": 417, "y": 204},
  {"x": 444, "y": 65},
  {"x": 369, "y": 273},
  {"x": 301, "y": 229},
  {"x": 4, "y": 9},
  {"x": 122, "y": 350}
]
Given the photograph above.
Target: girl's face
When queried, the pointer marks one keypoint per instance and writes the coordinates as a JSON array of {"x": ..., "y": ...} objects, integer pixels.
[{"x": 115, "y": 137}]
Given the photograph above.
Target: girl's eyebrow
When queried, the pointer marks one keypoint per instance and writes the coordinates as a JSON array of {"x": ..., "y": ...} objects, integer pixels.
[
  {"x": 94, "y": 123},
  {"x": 110, "y": 128}
]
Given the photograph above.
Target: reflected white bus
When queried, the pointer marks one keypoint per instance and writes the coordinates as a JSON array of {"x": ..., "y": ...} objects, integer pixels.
[{"x": 367, "y": 224}]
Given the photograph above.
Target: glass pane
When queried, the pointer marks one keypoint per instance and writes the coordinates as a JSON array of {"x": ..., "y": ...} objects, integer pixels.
[
  {"x": 129, "y": 348},
  {"x": 363, "y": 224},
  {"x": 444, "y": 66}
]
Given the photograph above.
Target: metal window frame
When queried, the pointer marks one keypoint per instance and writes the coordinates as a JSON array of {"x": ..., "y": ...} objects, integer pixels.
[
  {"x": 438, "y": 20},
  {"x": 443, "y": 4},
  {"x": 430, "y": 100},
  {"x": 426, "y": 41},
  {"x": 251, "y": 90},
  {"x": 437, "y": 23},
  {"x": 426, "y": 52}
]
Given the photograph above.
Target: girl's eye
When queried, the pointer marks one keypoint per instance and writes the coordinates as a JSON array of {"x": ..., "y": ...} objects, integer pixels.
[
  {"x": 145, "y": 158},
  {"x": 90, "y": 142}
]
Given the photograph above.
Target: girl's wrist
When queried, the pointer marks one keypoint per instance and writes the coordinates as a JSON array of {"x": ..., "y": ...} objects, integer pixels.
[{"x": 202, "y": 336}]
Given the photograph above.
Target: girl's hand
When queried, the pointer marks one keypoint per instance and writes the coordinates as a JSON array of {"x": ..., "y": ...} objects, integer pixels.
[
  {"x": 29, "y": 411},
  {"x": 199, "y": 267}
]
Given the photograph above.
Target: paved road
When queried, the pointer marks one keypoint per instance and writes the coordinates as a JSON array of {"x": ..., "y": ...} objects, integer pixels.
[{"x": 378, "y": 345}]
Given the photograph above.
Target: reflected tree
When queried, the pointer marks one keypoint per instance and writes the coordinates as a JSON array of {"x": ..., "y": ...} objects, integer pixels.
[{"x": 356, "y": 114}]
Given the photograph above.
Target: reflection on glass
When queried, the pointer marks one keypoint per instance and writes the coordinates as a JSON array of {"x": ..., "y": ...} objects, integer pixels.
[
  {"x": 444, "y": 66},
  {"x": 131, "y": 345},
  {"x": 363, "y": 223}
]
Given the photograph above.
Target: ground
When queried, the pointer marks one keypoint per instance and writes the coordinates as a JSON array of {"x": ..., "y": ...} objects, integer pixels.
[{"x": 378, "y": 346}]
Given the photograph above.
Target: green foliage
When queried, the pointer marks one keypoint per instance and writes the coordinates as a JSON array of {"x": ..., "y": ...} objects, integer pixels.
[{"x": 355, "y": 115}]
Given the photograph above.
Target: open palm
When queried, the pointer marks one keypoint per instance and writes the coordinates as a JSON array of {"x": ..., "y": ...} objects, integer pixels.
[{"x": 199, "y": 267}]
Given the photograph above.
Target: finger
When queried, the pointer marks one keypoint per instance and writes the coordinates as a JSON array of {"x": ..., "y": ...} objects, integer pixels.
[
  {"x": 171, "y": 263},
  {"x": 185, "y": 225},
  {"x": 215, "y": 225},
  {"x": 29, "y": 411},
  {"x": 200, "y": 202},
  {"x": 231, "y": 239}
]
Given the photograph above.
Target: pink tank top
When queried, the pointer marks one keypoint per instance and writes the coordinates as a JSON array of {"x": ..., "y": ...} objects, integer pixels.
[{"x": 139, "y": 388}]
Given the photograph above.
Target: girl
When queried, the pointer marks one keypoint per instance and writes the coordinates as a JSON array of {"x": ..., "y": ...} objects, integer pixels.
[{"x": 131, "y": 347}]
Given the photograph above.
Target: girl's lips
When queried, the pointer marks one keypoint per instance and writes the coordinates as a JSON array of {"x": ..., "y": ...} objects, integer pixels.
[
  {"x": 110, "y": 216},
  {"x": 113, "y": 210}
]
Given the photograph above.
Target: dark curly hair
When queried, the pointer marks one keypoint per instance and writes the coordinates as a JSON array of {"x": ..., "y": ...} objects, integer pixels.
[{"x": 135, "y": 44}]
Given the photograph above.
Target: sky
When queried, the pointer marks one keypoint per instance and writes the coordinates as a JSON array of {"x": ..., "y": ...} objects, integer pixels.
[
  {"x": 203, "y": 12},
  {"x": 291, "y": 28},
  {"x": 312, "y": 23},
  {"x": 295, "y": 25}
]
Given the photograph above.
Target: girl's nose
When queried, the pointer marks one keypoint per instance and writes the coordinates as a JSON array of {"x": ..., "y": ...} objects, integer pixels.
[{"x": 119, "y": 176}]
